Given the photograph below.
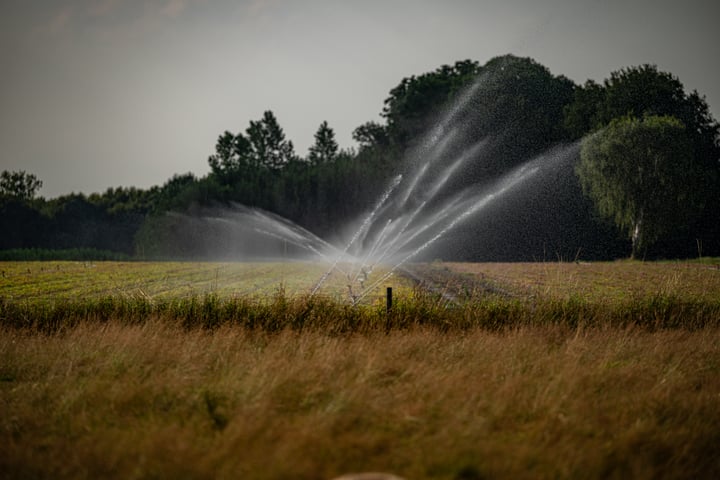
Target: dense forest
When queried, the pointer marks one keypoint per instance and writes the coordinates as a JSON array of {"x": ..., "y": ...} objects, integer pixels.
[{"x": 639, "y": 125}]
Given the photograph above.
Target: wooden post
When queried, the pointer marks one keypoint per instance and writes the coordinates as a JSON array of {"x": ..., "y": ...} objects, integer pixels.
[{"x": 389, "y": 300}]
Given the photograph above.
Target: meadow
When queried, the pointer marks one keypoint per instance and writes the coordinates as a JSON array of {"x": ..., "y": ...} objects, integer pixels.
[
  {"x": 554, "y": 370},
  {"x": 61, "y": 280}
]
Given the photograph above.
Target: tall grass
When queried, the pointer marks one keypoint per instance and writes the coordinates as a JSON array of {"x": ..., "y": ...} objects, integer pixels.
[
  {"x": 155, "y": 399},
  {"x": 279, "y": 312},
  {"x": 280, "y": 386}
]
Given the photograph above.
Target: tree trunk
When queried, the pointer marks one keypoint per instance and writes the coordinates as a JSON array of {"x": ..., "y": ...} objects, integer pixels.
[{"x": 638, "y": 242}]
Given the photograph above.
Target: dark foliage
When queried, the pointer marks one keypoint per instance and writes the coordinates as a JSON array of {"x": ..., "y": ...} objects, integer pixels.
[{"x": 514, "y": 107}]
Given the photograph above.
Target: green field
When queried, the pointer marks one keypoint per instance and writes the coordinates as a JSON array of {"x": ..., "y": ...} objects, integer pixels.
[
  {"x": 32, "y": 281},
  {"x": 610, "y": 282},
  {"x": 209, "y": 370}
]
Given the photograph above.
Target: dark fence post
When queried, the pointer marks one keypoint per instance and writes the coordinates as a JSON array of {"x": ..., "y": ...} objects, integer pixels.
[{"x": 389, "y": 300}]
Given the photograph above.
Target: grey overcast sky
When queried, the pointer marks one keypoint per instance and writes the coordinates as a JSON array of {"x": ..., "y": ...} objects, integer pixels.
[{"x": 105, "y": 93}]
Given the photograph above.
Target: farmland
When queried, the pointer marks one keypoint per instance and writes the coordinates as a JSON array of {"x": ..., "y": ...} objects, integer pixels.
[
  {"x": 612, "y": 282},
  {"x": 554, "y": 370},
  {"x": 32, "y": 281}
]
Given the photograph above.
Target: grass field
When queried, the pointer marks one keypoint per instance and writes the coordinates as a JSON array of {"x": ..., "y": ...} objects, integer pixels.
[
  {"x": 612, "y": 282},
  {"x": 608, "y": 370},
  {"x": 32, "y": 281}
]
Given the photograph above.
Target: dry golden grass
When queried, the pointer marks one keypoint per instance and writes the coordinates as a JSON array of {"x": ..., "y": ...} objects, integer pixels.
[
  {"x": 597, "y": 371},
  {"x": 609, "y": 282},
  {"x": 155, "y": 400}
]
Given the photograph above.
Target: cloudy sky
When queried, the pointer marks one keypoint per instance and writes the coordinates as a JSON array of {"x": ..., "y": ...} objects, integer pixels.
[{"x": 101, "y": 93}]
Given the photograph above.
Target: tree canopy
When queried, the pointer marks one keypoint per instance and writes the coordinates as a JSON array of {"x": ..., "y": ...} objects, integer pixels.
[
  {"x": 325, "y": 149},
  {"x": 416, "y": 102},
  {"x": 640, "y": 91},
  {"x": 649, "y": 169},
  {"x": 263, "y": 146},
  {"x": 19, "y": 186},
  {"x": 641, "y": 174}
]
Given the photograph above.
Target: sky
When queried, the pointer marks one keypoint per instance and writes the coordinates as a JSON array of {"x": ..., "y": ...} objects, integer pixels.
[{"x": 106, "y": 93}]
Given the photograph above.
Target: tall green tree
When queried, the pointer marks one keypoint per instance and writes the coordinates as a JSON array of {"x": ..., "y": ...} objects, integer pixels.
[
  {"x": 325, "y": 148},
  {"x": 640, "y": 91},
  {"x": 641, "y": 174},
  {"x": 262, "y": 146},
  {"x": 418, "y": 101},
  {"x": 19, "y": 186},
  {"x": 21, "y": 223},
  {"x": 270, "y": 148},
  {"x": 514, "y": 102},
  {"x": 233, "y": 153},
  {"x": 248, "y": 168},
  {"x": 581, "y": 115},
  {"x": 371, "y": 135},
  {"x": 644, "y": 90},
  {"x": 520, "y": 103}
]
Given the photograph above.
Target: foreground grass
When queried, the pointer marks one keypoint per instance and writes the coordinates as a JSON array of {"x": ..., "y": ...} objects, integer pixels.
[
  {"x": 541, "y": 371},
  {"x": 322, "y": 314},
  {"x": 159, "y": 400}
]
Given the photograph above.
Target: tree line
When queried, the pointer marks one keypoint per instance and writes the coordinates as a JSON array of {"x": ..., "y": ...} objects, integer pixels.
[{"x": 646, "y": 181}]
